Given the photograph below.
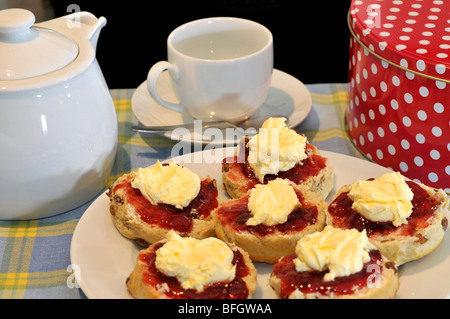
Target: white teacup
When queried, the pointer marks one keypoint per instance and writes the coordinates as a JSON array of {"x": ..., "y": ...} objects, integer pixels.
[{"x": 220, "y": 68}]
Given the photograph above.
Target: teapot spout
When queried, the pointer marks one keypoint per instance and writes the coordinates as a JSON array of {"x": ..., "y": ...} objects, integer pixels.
[{"x": 83, "y": 25}]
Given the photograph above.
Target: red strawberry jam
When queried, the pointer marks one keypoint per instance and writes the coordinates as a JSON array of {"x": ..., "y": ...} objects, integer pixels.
[
  {"x": 422, "y": 214},
  {"x": 168, "y": 216},
  {"x": 236, "y": 214},
  {"x": 236, "y": 289},
  {"x": 313, "y": 282}
]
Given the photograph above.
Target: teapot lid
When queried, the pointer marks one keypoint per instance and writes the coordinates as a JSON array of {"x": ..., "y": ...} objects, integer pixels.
[{"x": 27, "y": 51}]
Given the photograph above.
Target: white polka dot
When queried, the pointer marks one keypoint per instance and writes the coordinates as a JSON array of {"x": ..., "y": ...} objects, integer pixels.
[
  {"x": 420, "y": 65},
  {"x": 434, "y": 154},
  {"x": 433, "y": 17},
  {"x": 446, "y": 37},
  {"x": 361, "y": 140},
  {"x": 393, "y": 127},
  {"x": 383, "y": 86},
  {"x": 407, "y": 29},
  {"x": 422, "y": 115},
  {"x": 441, "y": 85},
  {"x": 400, "y": 47},
  {"x": 420, "y": 138},
  {"x": 382, "y": 109},
  {"x": 374, "y": 69},
  {"x": 385, "y": 34},
  {"x": 357, "y": 100},
  {"x": 433, "y": 177},
  {"x": 424, "y": 42},
  {"x": 384, "y": 64},
  {"x": 391, "y": 18},
  {"x": 405, "y": 144},
  {"x": 440, "y": 68},
  {"x": 416, "y": 6},
  {"x": 444, "y": 46},
  {"x": 365, "y": 73},
  {"x": 437, "y": 131},
  {"x": 404, "y": 38},
  {"x": 408, "y": 98},
  {"x": 394, "y": 9},
  {"x": 424, "y": 91},
  {"x": 395, "y": 80},
  {"x": 421, "y": 51},
  {"x": 380, "y": 132},
  {"x": 430, "y": 25},
  {"x": 392, "y": 150},
  {"x": 380, "y": 154},
  {"x": 413, "y": 13},
  {"x": 370, "y": 136},
  {"x": 363, "y": 118},
  {"x": 404, "y": 63},
  {"x": 382, "y": 45},
  {"x": 406, "y": 121},
  {"x": 404, "y": 167},
  {"x": 410, "y": 21},
  {"x": 371, "y": 114},
  {"x": 394, "y": 104},
  {"x": 427, "y": 34},
  {"x": 447, "y": 170},
  {"x": 442, "y": 55},
  {"x": 439, "y": 108},
  {"x": 373, "y": 92},
  {"x": 364, "y": 96},
  {"x": 355, "y": 120},
  {"x": 418, "y": 161},
  {"x": 410, "y": 75}
]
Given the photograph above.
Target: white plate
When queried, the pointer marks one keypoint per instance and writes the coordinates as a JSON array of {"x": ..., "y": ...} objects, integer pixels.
[
  {"x": 287, "y": 97},
  {"x": 103, "y": 259}
]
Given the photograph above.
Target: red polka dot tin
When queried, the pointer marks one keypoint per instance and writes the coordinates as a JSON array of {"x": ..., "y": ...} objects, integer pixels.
[{"x": 399, "y": 86}]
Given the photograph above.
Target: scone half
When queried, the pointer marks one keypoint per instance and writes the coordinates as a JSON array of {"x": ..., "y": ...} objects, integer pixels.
[
  {"x": 269, "y": 243},
  {"x": 315, "y": 173},
  {"x": 420, "y": 236},
  {"x": 136, "y": 218},
  {"x": 146, "y": 282},
  {"x": 377, "y": 280}
]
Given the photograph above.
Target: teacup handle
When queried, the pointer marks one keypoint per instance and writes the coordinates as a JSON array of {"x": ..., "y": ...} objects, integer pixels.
[{"x": 152, "y": 79}]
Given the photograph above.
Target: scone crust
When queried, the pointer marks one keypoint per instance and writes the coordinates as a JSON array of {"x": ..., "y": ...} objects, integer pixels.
[
  {"x": 139, "y": 289},
  {"x": 386, "y": 288},
  {"x": 129, "y": 223},
  {"x": 238, "y": 185},
  {"x": 401, "y": 248},
  {"x": 270, "y": 248}
]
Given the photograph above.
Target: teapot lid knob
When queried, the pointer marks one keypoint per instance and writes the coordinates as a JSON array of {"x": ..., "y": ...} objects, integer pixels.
[{"x": 15, "y": 20}]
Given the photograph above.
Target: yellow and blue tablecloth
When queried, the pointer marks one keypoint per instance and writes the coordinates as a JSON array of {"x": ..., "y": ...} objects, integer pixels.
[{"x": 35, "y": 255}]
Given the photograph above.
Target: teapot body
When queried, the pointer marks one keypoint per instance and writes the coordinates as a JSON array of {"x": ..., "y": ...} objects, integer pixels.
[
  {"x": 58, "y": 137},
  {"x": 58, "y": 145}
]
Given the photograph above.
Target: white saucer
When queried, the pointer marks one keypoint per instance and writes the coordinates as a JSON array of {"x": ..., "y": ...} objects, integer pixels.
[{"x": 287, "y": 97}]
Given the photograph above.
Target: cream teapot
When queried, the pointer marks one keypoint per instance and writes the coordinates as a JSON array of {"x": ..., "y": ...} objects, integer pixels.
[{"x": 58, "y": 125}]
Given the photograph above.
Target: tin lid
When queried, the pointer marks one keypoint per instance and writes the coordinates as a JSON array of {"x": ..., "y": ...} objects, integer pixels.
[
  {"x": 27, "y": 51},
  {"x": 412, "y": 35}
]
